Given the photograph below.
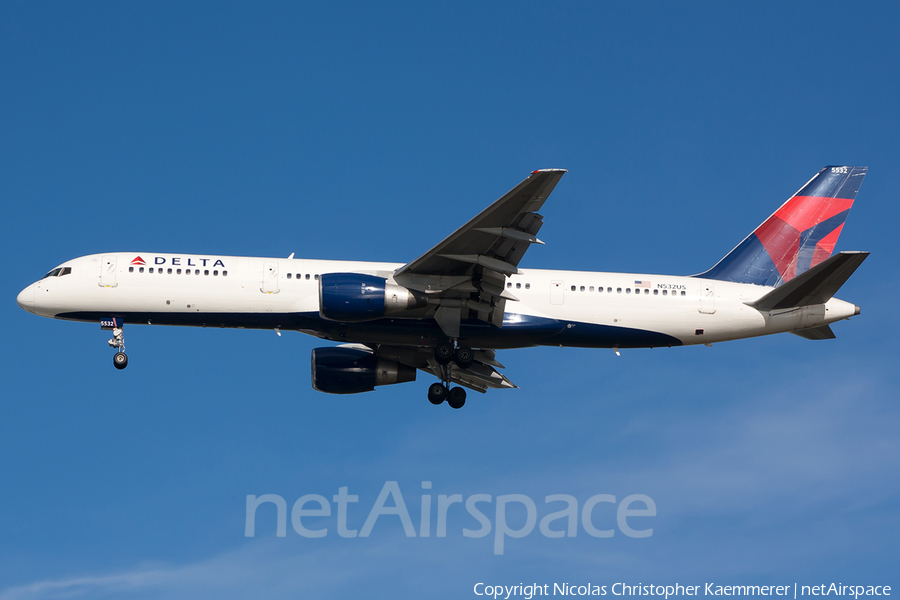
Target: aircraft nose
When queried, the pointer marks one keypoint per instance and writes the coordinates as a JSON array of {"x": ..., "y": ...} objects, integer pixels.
[{"x": 25, "y": 299}]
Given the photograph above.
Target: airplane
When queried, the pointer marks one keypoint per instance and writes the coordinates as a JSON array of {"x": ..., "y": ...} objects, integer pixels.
[{"x": 448, "y": 311}]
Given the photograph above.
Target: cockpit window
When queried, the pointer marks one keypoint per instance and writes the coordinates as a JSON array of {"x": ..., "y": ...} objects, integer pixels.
[{"x": 58, "y": 272}]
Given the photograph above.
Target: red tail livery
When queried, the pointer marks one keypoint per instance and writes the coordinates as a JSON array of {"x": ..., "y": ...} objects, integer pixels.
[{"x": 800, "y": 235}]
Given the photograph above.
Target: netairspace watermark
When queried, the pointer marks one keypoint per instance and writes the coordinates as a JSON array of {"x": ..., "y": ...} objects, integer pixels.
[
  {"x": 529, "y": 591},
  {"x": 556, "y": 524}
]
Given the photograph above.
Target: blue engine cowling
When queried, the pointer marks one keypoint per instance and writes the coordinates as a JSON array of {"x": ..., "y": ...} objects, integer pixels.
[
  {"x": 352, "y": 297},
  {"x": 352, "y": 370}
]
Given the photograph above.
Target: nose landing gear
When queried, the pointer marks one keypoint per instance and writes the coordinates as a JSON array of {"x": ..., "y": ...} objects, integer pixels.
[{"x": 120, "y": 360}]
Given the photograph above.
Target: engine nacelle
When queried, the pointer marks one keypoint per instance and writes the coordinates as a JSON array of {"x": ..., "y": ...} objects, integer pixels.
[
  {"x": 352, "y": 370},
  {"x": 352, "y": 297}
]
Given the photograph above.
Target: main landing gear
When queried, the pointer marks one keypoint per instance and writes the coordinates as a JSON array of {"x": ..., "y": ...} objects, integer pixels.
[
  {"x": 463, "y": 356},
  {"x": 444, "y": 354},
  {"x": 455, "y": 397},
  {"x": 120, "y": 360}
]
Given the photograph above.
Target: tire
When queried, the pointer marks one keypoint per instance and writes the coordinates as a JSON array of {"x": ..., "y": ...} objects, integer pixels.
[
  {"x": 464, "y": 357},
  {"x": 457, "y": 397},
  {"x": 120, "y": 360},
  {"x": 443, "y": 353},
  {"x": 437, "y": 393}
]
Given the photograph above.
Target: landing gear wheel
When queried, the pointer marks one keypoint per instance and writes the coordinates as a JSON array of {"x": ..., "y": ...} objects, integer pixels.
[
  {"x": 457, "y": 397},
  {"x": 437, "y": 393},
  {"x": 120, "y": 360},
  {"x": 443, "y": 353},
  {"x": 464, "y": 357}
]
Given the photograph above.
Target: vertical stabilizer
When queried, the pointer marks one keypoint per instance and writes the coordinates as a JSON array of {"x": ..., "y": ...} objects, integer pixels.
[{"x": 798, "y": 236}]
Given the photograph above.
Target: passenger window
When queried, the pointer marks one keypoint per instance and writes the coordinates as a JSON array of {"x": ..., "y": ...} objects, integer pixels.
[
  {"x": 169, "y": 270},
  {"x": 591, "y": 289},
  {"x": 288, "y": 275},
  {"x": 216, "y": 273},
  {"x": 187, "y": 271},
  {"x": 656, "y": 292},
  {"x": 508, "y": 284},
  {"x": 518, "y": 286},
  {"x": 582, "y": 288},
  {"x": 618, "y": 290},
  {"x": 683, "y": 293},
  {"x": 178, "y": 272},
  {"x": 665, "y": 292},
  {"x": 141, "y": 269},
  {"x": 627, "y": 290},
  {"x": 206, "y": 271},
  {"x": 298, "y": 275},
  {"x": 149, "y": 270},
  {"x": 527, "y": 286},
  {"x": 307, "y": 276},
  {"x": 317, "y": 276},
  {"x": 224, "y": 273},
  {"x": 131, "y": 269},
  {"x": 646, "y": 292},
  {"x": 609, "y": 290},
  {"x": 196, "y": 271},
  {"x": 573, "y": 288}
]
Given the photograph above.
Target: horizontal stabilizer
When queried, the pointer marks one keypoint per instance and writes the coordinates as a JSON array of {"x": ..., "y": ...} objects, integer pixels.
[
  {"x": 815, "y": 286},
  {"x": 822, "y": 332}
]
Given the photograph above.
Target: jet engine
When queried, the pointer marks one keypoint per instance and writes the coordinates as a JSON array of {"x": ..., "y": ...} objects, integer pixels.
[
  {"x": 353, "y": 370},
  {"x": 352, "y": 297}
]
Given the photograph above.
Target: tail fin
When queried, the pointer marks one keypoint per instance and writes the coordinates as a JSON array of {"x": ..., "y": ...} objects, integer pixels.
[{"x": 798, "y": 236}]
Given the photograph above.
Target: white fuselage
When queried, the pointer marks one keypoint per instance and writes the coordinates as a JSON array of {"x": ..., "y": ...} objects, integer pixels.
[{"x": 570, "y": 308}]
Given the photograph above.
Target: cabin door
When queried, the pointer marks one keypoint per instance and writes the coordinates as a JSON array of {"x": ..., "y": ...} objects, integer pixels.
[
  {"x": 270, "y": 278},
  {"x": 708, "y": 297},
  {"x": 108, "y": 271}
]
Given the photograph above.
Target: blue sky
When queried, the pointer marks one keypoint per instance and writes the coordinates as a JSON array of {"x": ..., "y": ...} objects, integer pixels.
[{"x": 370, "y": 132}]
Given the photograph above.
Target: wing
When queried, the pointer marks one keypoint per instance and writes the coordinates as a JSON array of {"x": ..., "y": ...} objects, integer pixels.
[{"x": 464, "y": 275}]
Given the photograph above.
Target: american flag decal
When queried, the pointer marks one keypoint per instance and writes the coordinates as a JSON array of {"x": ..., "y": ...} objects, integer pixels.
[{"x": 642, "y": 284}]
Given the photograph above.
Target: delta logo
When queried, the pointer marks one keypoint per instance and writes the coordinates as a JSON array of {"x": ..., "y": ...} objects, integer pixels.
[{"x": 191, "y": 261}]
